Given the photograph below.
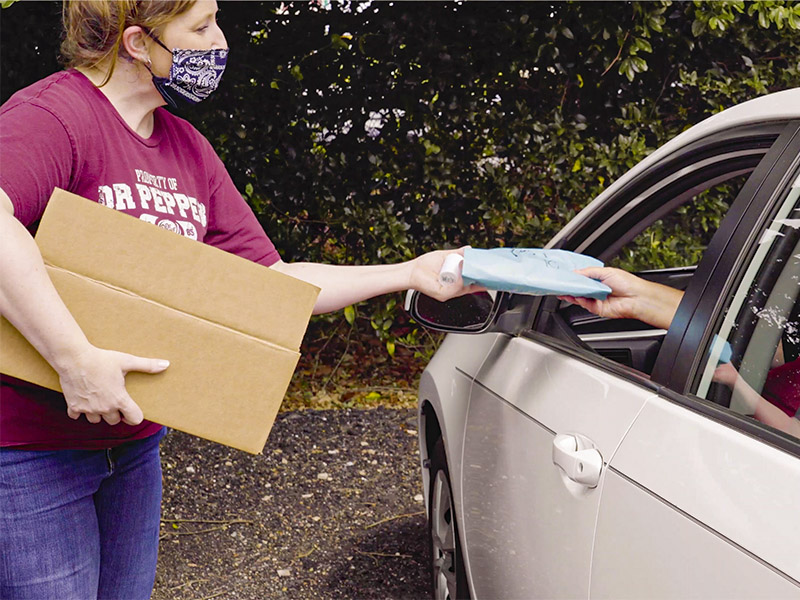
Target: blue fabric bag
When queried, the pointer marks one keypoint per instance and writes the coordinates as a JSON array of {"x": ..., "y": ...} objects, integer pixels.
[{"x": 532, "y": 271}]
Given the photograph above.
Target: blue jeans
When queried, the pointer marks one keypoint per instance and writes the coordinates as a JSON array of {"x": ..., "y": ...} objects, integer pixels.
[{"x": 80, "y": 524}]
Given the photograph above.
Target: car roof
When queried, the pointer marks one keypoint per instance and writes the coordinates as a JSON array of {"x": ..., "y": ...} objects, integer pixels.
[{"x": 779, "y": 106}]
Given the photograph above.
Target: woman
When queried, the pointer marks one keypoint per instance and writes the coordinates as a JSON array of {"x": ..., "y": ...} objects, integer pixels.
[{"x": 80, "y": 482}]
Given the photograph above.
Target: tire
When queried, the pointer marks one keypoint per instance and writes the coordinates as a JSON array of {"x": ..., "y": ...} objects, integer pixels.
[{"x": 448, "y": 576}]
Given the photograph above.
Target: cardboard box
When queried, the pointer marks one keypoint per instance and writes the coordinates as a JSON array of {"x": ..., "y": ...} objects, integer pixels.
[{"x": 230, "y": 328}]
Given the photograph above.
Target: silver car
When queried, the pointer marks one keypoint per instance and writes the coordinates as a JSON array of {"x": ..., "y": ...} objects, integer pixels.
[{"x": 569, "y": 456}]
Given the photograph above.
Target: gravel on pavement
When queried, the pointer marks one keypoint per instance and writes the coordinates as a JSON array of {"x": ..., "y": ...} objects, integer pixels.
[{"x": 331, "y": 509}]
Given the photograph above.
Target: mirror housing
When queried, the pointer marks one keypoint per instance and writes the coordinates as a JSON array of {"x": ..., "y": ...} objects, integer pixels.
[
  {"x": 471, "y": 313},
  {"x": 475, "y": 313}
]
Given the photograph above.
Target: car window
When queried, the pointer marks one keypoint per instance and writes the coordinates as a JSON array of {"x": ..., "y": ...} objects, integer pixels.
[
  {"x": 752, "y": 365},
  {"x": 679, "y": 238},
  {"x": 659, "y": 228},
  {"x": 675, "y": 232}
]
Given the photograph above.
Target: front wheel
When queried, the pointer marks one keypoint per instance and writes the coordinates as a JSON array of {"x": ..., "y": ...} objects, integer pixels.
[{"x": 448, "y": 574}]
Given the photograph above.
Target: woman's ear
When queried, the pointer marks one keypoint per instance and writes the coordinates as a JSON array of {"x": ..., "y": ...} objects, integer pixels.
[{"x": 134, "y": 44}]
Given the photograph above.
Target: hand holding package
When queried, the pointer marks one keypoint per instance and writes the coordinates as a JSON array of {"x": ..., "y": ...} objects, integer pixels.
[{"x": 532, "y": 271}]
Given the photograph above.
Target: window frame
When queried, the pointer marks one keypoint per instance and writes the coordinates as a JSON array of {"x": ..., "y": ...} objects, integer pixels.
[
  {"x": 725, "y": 262},
  {"x": 740, "y": 299},
  {"x": 705, "y": 162},
  {"x": 719, "y": 274},
  {"x": 664, "y": 187}
]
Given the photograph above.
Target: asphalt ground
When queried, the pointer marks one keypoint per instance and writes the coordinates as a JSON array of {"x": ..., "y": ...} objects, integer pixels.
[{"x": 331, "y": 509}]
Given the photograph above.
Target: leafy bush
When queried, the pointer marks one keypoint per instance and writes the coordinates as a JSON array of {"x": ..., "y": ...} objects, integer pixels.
[{"x": 371, "y": 132}]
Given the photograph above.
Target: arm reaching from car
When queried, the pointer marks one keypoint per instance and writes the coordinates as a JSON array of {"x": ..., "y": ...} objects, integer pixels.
[
  {"x": 343, "y": 285},
  {"x": 92, "y": 379},
  {"x": 635, "y": 298},
  {"x": 631, "y": 298}
]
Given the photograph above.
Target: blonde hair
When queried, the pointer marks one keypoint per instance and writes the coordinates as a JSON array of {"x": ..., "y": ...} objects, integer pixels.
[{"x": 93, "y": 28}]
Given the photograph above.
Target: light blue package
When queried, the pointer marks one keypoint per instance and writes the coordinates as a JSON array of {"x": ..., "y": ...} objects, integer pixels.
[
  {"x": 532, "y": 271},
  {"x": 725, "y": 353}
]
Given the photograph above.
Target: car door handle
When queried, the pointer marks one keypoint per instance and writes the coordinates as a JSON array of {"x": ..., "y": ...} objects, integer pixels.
[{"x": 578, "y": 458}]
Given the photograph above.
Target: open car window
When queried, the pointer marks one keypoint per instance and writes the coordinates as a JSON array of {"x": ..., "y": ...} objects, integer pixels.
[
  {"x": 679, "y": 238},
  {"x": 660, "y": 229},
  {"x": 667, "y": 251}
]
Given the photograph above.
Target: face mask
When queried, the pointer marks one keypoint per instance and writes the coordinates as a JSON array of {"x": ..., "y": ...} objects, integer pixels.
[{"x": 193, "y": 76}]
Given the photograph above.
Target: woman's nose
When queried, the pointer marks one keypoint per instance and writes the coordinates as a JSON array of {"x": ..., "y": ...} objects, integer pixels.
[{"x": 219, "y": 39}]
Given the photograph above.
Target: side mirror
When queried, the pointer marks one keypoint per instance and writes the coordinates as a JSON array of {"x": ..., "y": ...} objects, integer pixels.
[{"x": 472, "y": 313}]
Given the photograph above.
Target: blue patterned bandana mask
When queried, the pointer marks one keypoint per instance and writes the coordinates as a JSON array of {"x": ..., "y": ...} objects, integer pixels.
[{"x": 193, "y": 75}]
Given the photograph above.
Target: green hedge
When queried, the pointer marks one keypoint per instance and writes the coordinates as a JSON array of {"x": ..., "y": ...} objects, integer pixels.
[{"x": 372, "y": 132}]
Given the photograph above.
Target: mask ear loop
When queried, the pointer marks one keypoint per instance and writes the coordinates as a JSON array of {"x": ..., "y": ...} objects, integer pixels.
[
  {"x": 153, "y": 37},
  {"x": 148, "y": 64},
  {"x": 158, "y": 81}
]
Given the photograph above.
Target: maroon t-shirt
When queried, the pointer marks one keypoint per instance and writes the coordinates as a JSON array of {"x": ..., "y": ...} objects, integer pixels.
[
  {"x": 782, "y": 388},
  {"x": 63, "y": 132}
]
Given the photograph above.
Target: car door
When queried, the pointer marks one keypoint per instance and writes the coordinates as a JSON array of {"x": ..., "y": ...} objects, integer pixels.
[
  {"x": 701, "y": 498},
  {"x": 528, "y": 526},
  {"x": 544, "y": 405}
]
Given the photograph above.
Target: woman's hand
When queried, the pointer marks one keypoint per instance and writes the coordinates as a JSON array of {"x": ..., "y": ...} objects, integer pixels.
[
  {"x": 631, "y": 297},
  {"x": 94, "y": 385},
  {"x": 620, "y": 303},
  {"x": 425, "y": 277}
]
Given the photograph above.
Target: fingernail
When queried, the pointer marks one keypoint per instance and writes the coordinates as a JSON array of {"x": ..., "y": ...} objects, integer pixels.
[{"x": 163, "y": 364}]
